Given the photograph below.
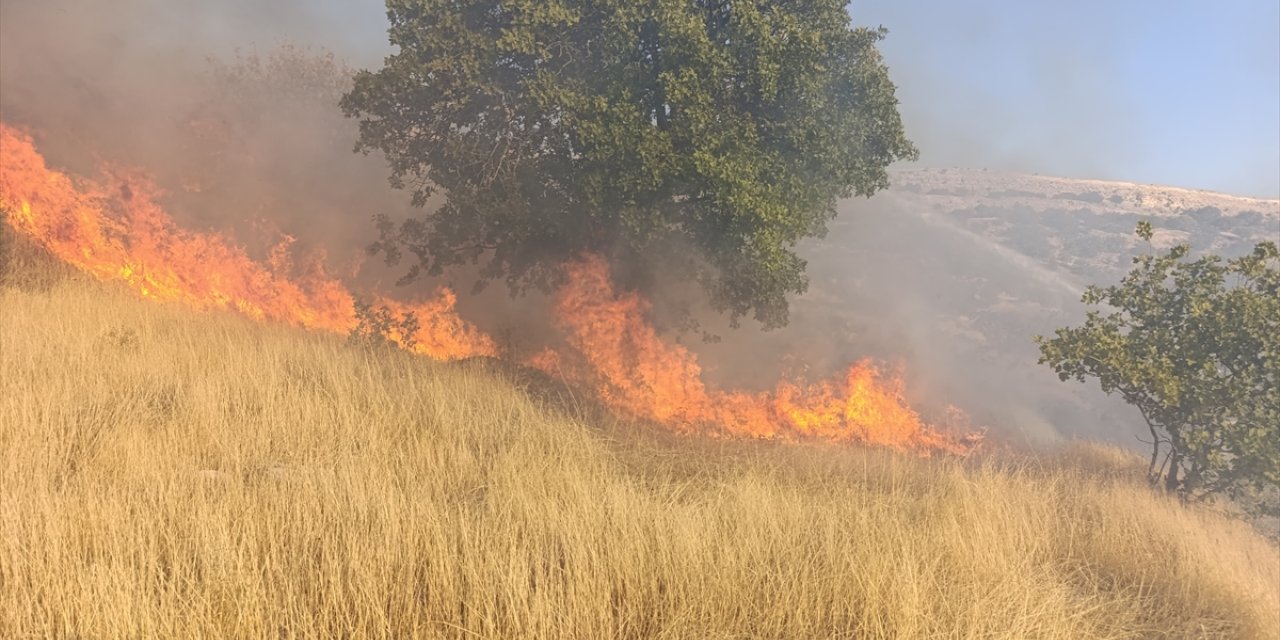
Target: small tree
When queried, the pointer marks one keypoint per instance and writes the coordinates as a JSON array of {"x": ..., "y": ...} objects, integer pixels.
[
  {"x": 1194, "y": 344},
  {"x": 630, "y": 128}
]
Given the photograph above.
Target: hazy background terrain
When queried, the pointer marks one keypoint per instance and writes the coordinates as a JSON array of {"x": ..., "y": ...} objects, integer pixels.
[{"x": 952, "y": 272}]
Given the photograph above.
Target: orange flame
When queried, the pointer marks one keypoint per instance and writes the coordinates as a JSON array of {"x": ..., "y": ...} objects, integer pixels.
[
  {"x": 640, "y": 376},
  {"x": 114, "y": 229}
]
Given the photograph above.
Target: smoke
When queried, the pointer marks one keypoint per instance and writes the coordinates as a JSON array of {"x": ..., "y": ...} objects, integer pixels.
[
  {"x": 954, "y": 311},
  {"x": 192, "y": 91},
  {"x": 232, "y": 108},
  {"x": 245, "y": 134}
]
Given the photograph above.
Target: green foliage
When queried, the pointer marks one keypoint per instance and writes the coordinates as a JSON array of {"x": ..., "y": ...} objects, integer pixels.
[
  {"x": 1194, "y": 344},
  {"x": 705, "y": 136}
]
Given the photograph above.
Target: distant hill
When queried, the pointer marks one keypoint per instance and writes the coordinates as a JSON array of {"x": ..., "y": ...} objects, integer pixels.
[{"x": 1084, "y": 228}]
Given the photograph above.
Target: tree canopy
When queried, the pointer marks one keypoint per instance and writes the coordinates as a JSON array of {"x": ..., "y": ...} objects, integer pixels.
[
  {"x": 1194, "y": 344},
  {"x": 706, "y": 135}
]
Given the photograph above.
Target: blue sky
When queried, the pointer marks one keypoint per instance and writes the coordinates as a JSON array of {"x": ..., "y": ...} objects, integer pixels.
[{"x": 1180, "y": 93}]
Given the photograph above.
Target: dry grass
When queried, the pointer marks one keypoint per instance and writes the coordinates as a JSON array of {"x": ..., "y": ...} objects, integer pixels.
[{"x": 164, "y": 474}]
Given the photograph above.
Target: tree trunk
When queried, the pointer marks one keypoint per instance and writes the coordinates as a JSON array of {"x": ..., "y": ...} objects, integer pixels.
[{"x": 1171, "y": 482}]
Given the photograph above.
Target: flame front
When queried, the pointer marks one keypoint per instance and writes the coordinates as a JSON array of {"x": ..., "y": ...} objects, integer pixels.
[
  {"x": 114, "y": 229},
  {"x": 640, "y": 376}
]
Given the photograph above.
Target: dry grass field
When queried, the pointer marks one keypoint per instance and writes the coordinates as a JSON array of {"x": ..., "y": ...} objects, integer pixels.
[{"x": 165, "y": 474}]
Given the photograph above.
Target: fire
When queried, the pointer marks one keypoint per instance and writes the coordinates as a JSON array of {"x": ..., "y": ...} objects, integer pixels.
[
  {"x": 640, "y": 376},
  {"x": 114, "y": 229}
]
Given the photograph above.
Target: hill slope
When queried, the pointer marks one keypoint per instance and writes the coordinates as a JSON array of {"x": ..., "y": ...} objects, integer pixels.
[{"x": 167, "y": 474}]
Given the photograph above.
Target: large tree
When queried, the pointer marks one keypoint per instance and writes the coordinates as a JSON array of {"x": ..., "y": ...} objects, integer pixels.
[
  {"x": 1194, "y": 344},
  {"x": 707, "y": 135}
]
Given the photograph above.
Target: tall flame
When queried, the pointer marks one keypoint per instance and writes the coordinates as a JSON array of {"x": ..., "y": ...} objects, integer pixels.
[
  {"x": 640, "y": 376},
  {"x": 114, "y": 229}
]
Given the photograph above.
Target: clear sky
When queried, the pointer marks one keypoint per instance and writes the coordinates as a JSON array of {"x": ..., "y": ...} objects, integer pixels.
[
  {"x": 1177, "y": 92},
  {"x": 1184, "y": 93}
]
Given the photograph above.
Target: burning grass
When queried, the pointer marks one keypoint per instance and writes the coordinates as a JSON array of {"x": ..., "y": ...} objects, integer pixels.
[
  {"x": 114, "y": 228},
  {"x": 168, "y": 474}
]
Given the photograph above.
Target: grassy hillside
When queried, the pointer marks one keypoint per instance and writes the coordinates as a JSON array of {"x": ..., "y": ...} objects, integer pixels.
[{"x": 168, "y": 474}]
